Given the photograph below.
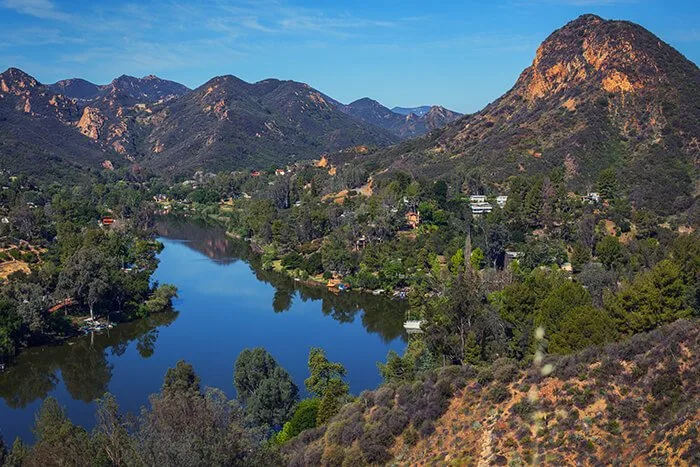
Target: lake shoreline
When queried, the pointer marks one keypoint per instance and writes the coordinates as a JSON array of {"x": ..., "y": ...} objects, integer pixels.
[
  {"x": 226, "y": 303},
  {"x": 257, "y": 249}
]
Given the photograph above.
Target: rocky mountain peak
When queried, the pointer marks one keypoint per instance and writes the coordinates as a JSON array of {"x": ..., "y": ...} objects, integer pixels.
[
  {"x": 616, "y": 56},
  {"x": 14, "y": 80}
]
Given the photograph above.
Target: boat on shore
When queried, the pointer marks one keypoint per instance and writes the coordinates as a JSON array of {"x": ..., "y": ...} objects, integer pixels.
[{"x": 93, "y": 325}]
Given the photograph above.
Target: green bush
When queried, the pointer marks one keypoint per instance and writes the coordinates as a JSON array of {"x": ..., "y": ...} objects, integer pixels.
[
  {"x": 499, "y": 393},
  {"x": 304, "y": 418},
  {"x": 292, "y": 260}
]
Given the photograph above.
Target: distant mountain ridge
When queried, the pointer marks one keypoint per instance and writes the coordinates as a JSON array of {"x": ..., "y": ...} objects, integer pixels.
[
  {"x": 403, "y": 125},
  {"x": 148, "y": 89},
  {"x": 226, "y": 123},
  {"x": 420, "y": 110}
]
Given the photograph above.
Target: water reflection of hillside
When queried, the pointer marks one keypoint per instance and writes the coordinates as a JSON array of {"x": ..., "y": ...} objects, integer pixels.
[
  {"x": 82, "y": 363},
  {"x": 381, "y": 315},
  {"x": 206, "y": 239}
]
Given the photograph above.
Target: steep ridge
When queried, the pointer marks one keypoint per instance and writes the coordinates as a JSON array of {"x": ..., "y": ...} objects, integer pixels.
[
  {"x": 128, "y": 89},
  {"x": 598, "y": 94},
  {"x": 118, "y": 114},
  {"x": 38, "y": 130},
  {"x": 76, "y": 88}
]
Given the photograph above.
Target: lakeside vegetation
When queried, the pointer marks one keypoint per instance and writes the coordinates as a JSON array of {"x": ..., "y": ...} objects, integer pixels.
[
  {"x": 585, "y": 275},
  {"x": 587, "y": 271},
  {"x": 76, "y": 267}
]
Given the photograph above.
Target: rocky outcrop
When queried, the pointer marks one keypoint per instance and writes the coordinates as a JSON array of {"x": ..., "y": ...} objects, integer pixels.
[{"x": 91, "y": 122}]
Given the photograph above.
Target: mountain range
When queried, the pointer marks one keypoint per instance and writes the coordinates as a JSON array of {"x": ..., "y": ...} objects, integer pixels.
[{"x": 224, "y": 124}]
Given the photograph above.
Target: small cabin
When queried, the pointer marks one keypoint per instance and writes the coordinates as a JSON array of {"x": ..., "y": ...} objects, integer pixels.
[
  {"x": 279, "y": 172},
  {"x": 255, "y": 173},
  {"x": 477, "y": 199},
  {"x": 501, "y": 201},
  {"x": 107, "y": 221},
  {"x": 512, "y": 256}
]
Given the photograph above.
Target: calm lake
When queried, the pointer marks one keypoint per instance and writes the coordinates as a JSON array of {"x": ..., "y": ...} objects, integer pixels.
[{"x": 226, "y": 304}]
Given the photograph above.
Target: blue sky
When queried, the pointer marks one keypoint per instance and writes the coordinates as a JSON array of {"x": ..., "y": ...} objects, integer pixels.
[{"x": 461, "y": 54}]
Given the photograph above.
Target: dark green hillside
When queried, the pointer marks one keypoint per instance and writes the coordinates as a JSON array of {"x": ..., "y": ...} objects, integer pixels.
[
  {"x": 228, "y": 123},
  {"x": 38, "y": 134}
]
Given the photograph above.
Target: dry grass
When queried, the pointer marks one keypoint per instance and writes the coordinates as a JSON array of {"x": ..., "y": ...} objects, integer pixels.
[{"x": 11, "y": 267}]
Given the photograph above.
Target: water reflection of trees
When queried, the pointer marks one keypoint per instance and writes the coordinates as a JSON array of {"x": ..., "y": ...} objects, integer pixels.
[
  {"x": 82, "y": 363},
  {"x": 381, "y": 315}
]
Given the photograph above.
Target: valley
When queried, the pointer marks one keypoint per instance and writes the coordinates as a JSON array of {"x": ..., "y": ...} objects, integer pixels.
[{"x": 284, "y": 279}]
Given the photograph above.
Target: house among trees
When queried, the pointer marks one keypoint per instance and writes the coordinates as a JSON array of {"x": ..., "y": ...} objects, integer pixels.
[
  {"x": 412, "y": 219},
  {"x": 322, "y": 162},
  {"x": 592, "y": 197},
  {"x": 477, "y": 199},
  {"x": 480, "y": 208},
  {"x": 501, "y": 201},
  {"x": 279, "y": 172}
]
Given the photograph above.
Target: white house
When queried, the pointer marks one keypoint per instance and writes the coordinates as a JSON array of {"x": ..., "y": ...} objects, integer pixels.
[
  {"x": 501, "y": 201},
  {"x": 480, "y": 208},
  {"x": 592, "y": 197},
  {"x": 477, "y": 198}
]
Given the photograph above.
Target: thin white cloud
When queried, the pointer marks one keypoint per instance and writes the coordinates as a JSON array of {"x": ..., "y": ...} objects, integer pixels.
[{"x": 43, "y": 9}]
